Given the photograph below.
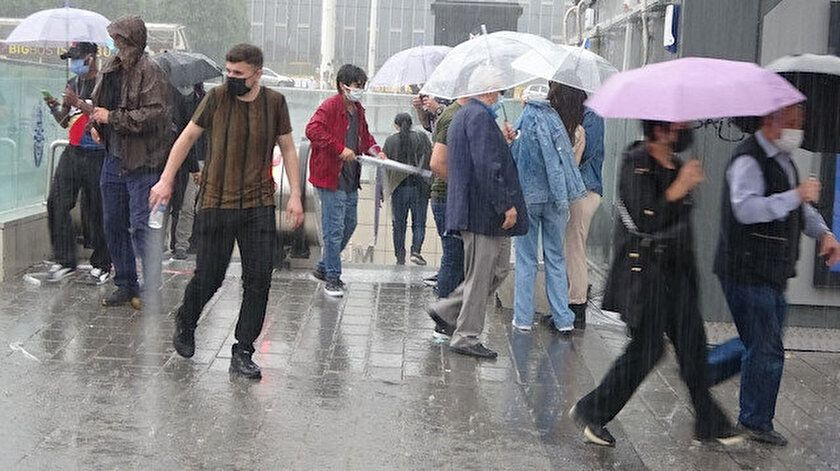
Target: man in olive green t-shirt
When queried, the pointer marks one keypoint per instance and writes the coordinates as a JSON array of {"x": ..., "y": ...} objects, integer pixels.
[{"x": 451, "y": 271}]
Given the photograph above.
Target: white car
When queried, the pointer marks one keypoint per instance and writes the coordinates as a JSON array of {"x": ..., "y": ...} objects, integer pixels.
[
  {"x": 537, "y": 89},
  {"x": 271, "y": 78}
]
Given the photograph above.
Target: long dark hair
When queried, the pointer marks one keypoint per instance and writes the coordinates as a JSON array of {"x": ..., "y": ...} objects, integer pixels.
[
  {"x": 568, "y": 102},
  {"x": 403, "y": 121}
]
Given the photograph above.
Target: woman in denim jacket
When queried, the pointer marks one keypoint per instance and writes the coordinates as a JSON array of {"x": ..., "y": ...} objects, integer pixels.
[{"x": 550, "y": 180}]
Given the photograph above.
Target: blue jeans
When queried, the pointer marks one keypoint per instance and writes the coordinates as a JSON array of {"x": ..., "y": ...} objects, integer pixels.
[
  {"x": 125, "y": 209},
  {"x": 338, "y": 221},
  {"x": 451, "y": 271},
  {"x": 549, "y": 219},
  {"x": 405, "y": 199},
  {"x": 759, "y": 313}
]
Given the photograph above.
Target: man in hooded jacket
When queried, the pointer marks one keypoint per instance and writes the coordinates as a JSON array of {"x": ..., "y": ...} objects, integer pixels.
[{"x": 132, "y": 118}]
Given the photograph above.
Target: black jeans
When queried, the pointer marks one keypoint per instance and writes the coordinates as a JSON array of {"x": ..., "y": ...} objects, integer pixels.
[
  {"x": 178, "y": 191},
  {"x": 78, "y": 170},
  {"x": 253, "y": 230},
  {"x": 671, "y": 308}
]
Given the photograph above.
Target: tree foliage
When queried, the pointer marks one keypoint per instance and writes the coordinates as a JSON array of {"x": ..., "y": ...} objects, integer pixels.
[{"x": 213, "y": 26}]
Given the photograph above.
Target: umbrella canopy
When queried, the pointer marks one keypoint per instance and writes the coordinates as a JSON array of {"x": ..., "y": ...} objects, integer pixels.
[
  {"x": 484, "y": 64},
  {"x": 186, "y": 69},
  {"x": 572, "y": 66},
  {"x": 409, "y": 67},
  {"x": 693, "y": 88},
  {"x": 818, "y": 78},
  {"x": 61, "y": 26},
  {"x": 811, "y": 63}
]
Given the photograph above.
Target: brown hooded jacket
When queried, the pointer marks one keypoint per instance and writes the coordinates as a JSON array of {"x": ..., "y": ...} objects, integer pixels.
[{"x": 142, "y": 117}]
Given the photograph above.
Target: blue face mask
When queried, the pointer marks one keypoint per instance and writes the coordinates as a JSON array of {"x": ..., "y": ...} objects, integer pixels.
[{"x": 78, "y": 66}]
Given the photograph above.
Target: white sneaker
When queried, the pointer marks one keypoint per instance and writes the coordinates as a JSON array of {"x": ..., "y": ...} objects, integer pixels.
[
  {"x": 521, "y": 328},
  {"x": 566, "y": 330},
  {"x": 58, "y": 272},
  {"x": 99, "y": 276}
]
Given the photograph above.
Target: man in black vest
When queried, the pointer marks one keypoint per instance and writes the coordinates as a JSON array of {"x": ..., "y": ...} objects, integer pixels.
[{"x": 765, "y": 209}]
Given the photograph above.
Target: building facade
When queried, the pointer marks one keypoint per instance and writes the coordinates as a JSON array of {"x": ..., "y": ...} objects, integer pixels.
[{"x": 289, "y": 31}]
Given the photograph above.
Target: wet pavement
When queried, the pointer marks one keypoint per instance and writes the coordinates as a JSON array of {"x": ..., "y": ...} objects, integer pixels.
[{"x": 357, "y": 383}]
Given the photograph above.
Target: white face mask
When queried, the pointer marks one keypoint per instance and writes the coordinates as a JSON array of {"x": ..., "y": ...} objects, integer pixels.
[
  {"x": 790, "y": 140},
  {"x": 354, "y": 94}
]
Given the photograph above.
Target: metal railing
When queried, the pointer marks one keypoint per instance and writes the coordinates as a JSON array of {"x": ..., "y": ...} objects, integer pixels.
[{"x": 54, "y": 146}]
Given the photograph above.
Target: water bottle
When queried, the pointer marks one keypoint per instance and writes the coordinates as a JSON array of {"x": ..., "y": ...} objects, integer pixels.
[{"x": 156, "y": 216}]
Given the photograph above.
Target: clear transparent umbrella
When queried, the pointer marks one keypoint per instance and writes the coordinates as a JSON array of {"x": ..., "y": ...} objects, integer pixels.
[
  {"x": 61, "y": 26},
  {"x": 409, "y": 67},
  {"x": 484, "y": 64},
  {"x": 572, "y": 66}
]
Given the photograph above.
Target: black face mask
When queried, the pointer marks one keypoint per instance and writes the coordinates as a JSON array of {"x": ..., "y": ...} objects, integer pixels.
[
  {"x": 685, "y": 137},
  {"x": 237, "y": 86}
]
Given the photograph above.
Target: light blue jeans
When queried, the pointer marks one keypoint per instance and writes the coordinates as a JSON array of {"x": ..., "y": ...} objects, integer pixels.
[
  {"x": 338, "y": 221},
  {"x": 549, "y": 219}
]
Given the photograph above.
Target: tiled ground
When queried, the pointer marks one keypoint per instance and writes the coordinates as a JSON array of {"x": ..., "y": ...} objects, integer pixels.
[{"x": 351, "y": 384}]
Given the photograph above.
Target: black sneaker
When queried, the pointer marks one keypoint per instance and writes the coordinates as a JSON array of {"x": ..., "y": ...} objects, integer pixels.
[
  {"x": 594, "y": 433},
  {"x": 442, "y": 328},
  {"x": 242, "y": 364},
  {"x": 122, "y": 296},
  {"x": 319, "y": 275},
  {"x": 418, "y": 259},
  {"x": 771, "y": 437},
  {"x": 478, "y": 350},
  {"x": 180, "y": 254},
  {"x": 334, "y": 288},
  {"x": 184, "y": 340},
  {"x": 58, "y": 273}
]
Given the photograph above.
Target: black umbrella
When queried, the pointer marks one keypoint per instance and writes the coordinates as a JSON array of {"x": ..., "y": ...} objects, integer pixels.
[
  {"x": 186, "y": 69},
  {"x": 818, "y": 78}
]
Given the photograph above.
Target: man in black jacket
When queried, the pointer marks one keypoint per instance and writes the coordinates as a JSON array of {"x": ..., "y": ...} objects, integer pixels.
[
  {"x": 765, "y": 211},
  {"x": 653, "y": 284}
]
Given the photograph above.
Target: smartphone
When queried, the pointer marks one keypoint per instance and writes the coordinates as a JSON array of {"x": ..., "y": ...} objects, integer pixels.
[{"x": 47, "y": 95}]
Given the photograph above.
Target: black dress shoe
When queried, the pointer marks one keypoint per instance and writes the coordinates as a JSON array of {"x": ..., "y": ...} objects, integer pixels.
[
  {"x": 728, "y": 436},
  {"x": 442, "y": 328},
  {"x": 478, "y": 350},
  {"x": 184, "y": 340},
  {"x": 242, "y": 364},
  {"x": 594, "y": 433},
  {"x": 771, "y": 437}
]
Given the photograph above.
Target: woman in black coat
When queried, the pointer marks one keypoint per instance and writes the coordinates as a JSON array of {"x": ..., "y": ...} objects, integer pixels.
[{"x": 653, "y": 284}]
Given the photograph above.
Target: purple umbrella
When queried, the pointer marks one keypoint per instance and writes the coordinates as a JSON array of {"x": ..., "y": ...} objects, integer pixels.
[{"x": 693, "y": 88}]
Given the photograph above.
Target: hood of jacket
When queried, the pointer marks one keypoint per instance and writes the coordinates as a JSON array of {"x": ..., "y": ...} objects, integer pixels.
[{"x": 133, "y": 30}]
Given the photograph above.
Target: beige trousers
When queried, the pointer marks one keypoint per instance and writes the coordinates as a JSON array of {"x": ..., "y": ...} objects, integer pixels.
[
  {"x": 580, "y": 216},
  {"x": 486, "y": 265}
]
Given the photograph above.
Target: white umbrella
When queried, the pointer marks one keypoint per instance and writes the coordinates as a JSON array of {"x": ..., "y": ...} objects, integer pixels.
[
  {"x": 484, "y": 64},
  {"x": 61, "y": 26},
  {"x": 807, "y": 63},
  {"x": 409, "y": 67},
  {"x": 572, "y": 66}
]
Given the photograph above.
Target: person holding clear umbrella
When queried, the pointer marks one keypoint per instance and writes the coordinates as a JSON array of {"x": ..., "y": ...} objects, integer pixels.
[
  {"x": 550, "y": 181},
  {"x": 485, "y": 204}
]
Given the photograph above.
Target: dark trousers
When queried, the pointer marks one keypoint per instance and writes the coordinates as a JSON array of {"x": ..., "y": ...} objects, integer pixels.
[
  {"x": 759, "y": 313},
  {"x": 216, "y": 230},
  {"x": 78, "y": 170},
  {"x": 174, "y": 207},
  {"x": 671, "y": 309},
  {"x": 125, "y": 203},
  {"x": 405, "y": 199},
  {"x": 451, "y": 271}
]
